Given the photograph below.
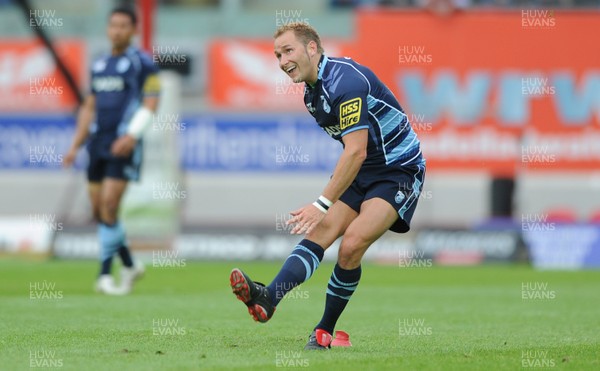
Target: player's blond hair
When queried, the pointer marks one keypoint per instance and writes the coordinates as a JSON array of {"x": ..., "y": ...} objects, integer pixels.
[{"x": 303, "y": 31}]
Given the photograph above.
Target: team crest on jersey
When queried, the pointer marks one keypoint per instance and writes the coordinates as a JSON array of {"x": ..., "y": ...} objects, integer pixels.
[
  {"x": 122, "y": 65},
  {"x": 400, "y": 196},
  {"x": 310, "y": 107},
  {"x": 326, "y": 106},
  {"x": 99, "y": 65},
  {"x": 350, "y": 112}
]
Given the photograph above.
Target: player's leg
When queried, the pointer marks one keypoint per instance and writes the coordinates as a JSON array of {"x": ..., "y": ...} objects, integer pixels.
[
  {"x": 110, "y": 231},
  {"x": 297, "y": 268},
  {"x": 110, "y": 200},
  {"x": 94, "y": 194},
  {"x": 118, "y": 173},
  {"x": 307, "y": 255},
  {"x": 95, "y": 173},
  {"x": 389, "y": 204},
  {"x": 114, "y": 237},
  {"x": 375, "y": 218},
  {"x": 111, "y": 193},
  {"x": 112, "y": 234}
]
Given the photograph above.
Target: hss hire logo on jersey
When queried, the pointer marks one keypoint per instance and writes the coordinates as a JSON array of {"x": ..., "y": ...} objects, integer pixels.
[{"x": 350, "y": 112}]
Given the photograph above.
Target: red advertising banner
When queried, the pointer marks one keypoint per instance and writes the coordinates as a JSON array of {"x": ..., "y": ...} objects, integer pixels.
[
  {"x": 244, "y": 74},
  {"x": 495, "y": 91},
  {"x": 30, "y": 80}
]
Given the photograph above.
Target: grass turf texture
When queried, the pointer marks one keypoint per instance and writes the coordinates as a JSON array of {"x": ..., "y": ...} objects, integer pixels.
[{"x": 185, "y": 318}]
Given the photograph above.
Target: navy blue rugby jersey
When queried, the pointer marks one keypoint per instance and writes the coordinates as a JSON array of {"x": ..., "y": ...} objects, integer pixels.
[
  {"x": 119, "y": 83},
  {"x": 349, "y": 97}
]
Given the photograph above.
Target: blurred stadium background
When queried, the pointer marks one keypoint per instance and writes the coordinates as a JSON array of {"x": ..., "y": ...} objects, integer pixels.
[{"x": 505, "y": 96}]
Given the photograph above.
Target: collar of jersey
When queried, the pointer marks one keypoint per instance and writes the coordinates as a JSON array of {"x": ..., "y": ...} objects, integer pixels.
[
  {"x": 322, "y": 64},
  {"x": 127, "y": 51}
]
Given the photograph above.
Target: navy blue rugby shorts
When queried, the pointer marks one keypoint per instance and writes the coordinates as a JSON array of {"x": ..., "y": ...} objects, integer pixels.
[
  {"x": 399, "y": 186},
  {"x": 104, "y": 165}
]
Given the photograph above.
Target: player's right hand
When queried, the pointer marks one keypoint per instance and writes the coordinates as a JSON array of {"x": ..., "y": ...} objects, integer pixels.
[
  {"x": 69, "y": 158},
  {"x": 305, "y": 219}
]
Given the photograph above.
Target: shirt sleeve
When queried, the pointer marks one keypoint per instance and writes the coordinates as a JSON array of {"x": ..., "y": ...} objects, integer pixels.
[
  {"x": 92, "y": 88},
  {"x": 351, "y": 107},
  {"x": 149, "y": 77}
]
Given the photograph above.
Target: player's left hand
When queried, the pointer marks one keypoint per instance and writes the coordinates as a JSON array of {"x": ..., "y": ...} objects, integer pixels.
[
  {"x": 305, "y": 219},
  {"x": 123, "y": 146}
]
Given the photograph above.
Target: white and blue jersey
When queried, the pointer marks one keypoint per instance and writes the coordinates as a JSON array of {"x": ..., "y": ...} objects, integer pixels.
[{"x": 349, "y": 97}]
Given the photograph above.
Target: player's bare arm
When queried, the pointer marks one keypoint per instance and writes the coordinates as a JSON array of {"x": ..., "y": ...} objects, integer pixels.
[
  {"x": 85, "y": 116},
  {"x": 346, "y": 169},
  {"x": 123, "y": 146}
]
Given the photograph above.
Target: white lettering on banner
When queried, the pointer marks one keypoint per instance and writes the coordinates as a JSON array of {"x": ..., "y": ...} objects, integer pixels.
[
  {"x": 73, "y": 245},
  {"x": 221, "y": 144},
  {"x": 564, "y": 247},
  {"x": 233, "y": 245},
  {"x": 254, "y": 147},
  {"x": 488, "y": 144},
  {"x": 29, "y": 79},
  {"x": 499, "y": 245},
  {"x": 220, "y": 247},
  {"x": 260, "y": 79},
  {"x": 464, "y": 99},
  {"x": 17, "y": 69},
  {"x": 204, "y": 146},
  {"x": 17, "y": 141}
]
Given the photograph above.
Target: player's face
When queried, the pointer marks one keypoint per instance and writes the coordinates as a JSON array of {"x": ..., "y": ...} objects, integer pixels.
[
  {"x": 120, "y": 30},
  {"x": 294, "y": 58}
]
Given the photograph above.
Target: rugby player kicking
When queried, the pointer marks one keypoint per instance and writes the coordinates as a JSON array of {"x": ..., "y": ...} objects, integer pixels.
[
  {"x": 124, "y": 95},
  {"x": 375, "y": 185}
]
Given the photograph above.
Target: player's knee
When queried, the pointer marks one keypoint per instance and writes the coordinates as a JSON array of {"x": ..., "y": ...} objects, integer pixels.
[
  {"x": 109, "y": 210},
  {"x": 96, "y": 213},
  {"x": 351, "y": 251},
  {"x": 324, "y": 234}
]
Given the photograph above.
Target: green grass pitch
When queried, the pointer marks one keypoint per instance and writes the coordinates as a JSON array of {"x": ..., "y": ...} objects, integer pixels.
[{"x": 185, "y": 318}]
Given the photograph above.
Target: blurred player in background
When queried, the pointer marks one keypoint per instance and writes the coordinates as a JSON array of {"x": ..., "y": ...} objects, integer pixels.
[
  {"x": 124, "y": 95},
  {"x": 374, "y": 187}
]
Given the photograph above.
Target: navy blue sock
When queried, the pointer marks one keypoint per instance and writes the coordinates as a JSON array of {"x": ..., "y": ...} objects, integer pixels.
[
  {"x": 340, "y": 288},
  {"x": 125, "y": 256},
  {"x": 297, "y": 268},
  {"x": 105, "y": 266}
]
